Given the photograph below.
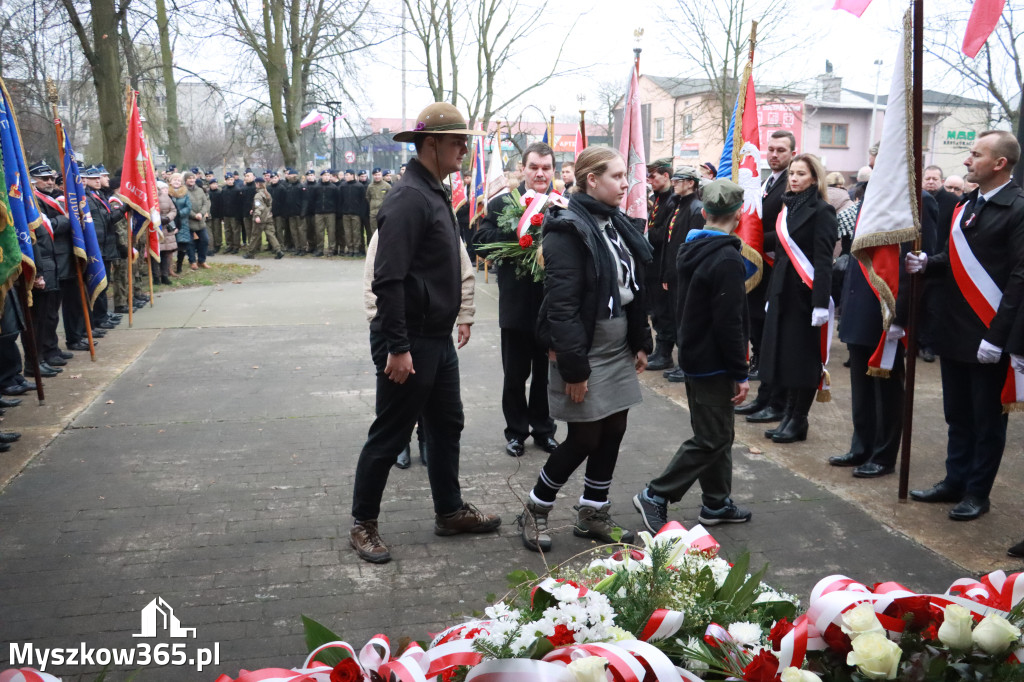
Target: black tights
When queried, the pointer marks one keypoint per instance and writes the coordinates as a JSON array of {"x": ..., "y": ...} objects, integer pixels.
[{"x": 597, "y": 443}]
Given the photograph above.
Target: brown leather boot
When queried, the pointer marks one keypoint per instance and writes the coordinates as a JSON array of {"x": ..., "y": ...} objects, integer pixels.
[
  {"x": 367, "y": 542},
  {"x": 468, "y": 519}
]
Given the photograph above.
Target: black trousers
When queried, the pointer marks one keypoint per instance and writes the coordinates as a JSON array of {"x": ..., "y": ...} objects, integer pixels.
[
  {"x": 663, "y": 315},
  {"x": 99, "y": 308},
  {"x": 977, "y": 424},
  {"x": 767, "y": 395},
  {"x": 71, "y": 309},
  {"x": 45, "y": 316},
  {"x": 434, "y": 393},
  {"x": 707, "y": 456},
  {"x": 877, "y": 407},
  {"x": 523, "y": 358}
]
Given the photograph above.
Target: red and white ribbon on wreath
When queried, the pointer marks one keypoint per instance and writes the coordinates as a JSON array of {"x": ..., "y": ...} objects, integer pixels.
[
  {"x": 697, "y": 537},
  {"x": 26, "y": 675},
  {"x": 320, "y": 674},
  {"x": 662, "y": 624},
  {"x": 519, "y": 670},
  {"x": 533, "y": 207}
]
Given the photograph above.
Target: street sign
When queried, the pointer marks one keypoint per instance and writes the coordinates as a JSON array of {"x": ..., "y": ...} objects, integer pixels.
[{"x": 350, "y": 156}]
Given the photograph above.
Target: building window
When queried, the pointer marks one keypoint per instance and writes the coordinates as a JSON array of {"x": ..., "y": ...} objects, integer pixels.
[
  {"x": 659, "y": 129},
  {"x": 834, "y": 134},
  {"x": 926, "y": 137},
  {"x": 687, "y": 125}
]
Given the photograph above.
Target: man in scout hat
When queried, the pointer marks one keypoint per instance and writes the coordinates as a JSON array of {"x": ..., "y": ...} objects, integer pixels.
[
  {"x": 713, "y": 328},
  {"x": 417, "y": 280}
]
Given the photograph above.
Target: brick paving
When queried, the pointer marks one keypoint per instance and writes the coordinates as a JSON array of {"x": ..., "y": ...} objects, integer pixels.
[{"x": 220, "y": 480}]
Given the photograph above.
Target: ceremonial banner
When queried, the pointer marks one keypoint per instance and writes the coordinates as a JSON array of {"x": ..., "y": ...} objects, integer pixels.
[
  {"x": 21, "y": 201},
  {"x": 889, "y": 214},
  {"x": 458, "y": 192},
  {"x": 477, "y": 180},
  {"x": 748, "y": 176},
  {"x": 631, "y": 146},
  {"x": 138, "y": 182},
  {"x": 10, "y": 253},
  {"x": 984, "y": 19},
  {"x": 83, "y": 233},
  {"x": 580, "y": 145},
  {"x": 496, "y": 182}
]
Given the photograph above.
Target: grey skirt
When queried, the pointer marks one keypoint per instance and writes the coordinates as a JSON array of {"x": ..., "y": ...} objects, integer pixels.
[{"x": 613, "y": 385}]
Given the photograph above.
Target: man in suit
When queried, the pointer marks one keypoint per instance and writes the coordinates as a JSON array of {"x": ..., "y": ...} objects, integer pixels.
[
  {"x": 769, "y": 404},
  {"x": 519, "y": 300},
  {"x": 932, "y": 182},
  {"x": 981, "y": 275}
]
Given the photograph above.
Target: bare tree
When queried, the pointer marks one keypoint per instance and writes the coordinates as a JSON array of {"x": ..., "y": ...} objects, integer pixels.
[
  {"x": 499, "y": 29},
  {"x": 996, "y": 72},
  {"x": 714, "y": 37},
  {"x": 296, "y": 42}
]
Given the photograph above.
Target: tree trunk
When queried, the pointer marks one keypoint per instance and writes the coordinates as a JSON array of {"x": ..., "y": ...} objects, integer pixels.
[
  {"x": 170, "y": 86},
  {"x": 106, "y": 75}
]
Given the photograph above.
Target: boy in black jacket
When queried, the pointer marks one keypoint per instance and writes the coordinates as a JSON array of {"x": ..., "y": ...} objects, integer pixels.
[{"x": 713, "y": 329}]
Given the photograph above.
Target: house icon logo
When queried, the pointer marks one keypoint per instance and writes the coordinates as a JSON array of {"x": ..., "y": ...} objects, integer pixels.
[{"x": 158, "y": 616}]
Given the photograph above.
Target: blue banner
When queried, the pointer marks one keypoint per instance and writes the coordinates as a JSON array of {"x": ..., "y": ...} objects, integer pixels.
[
  {"x": 83, "y": 232},
  {"x": 19, "y": 188},
  {"x": 725, "y": 163}
]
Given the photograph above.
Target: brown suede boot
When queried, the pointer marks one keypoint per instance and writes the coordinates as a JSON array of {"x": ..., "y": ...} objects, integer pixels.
[{"x": 367, "y": 542}]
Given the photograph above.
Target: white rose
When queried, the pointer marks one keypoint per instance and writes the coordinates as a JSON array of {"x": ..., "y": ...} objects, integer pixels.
[
  {"x": 875, "y": 656},
  {"x": 861, "y": 620},
  {"x": 746, "y": 634},
  {"x": 794, "y": 674},
  {"x": 995, "y": 634},
  {"x": 955, "y": 631},
  {"x": 589, "y": 669}
]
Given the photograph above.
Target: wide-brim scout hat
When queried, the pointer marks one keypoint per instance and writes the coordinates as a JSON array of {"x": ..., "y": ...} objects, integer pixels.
[{"x": 438, "y": 118}]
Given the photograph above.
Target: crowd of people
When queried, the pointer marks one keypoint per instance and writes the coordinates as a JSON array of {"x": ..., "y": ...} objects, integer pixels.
[{"x": 573, "y": 345}]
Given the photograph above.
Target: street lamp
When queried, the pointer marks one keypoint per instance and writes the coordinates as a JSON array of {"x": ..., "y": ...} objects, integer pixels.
[{"x": 331, "y": 104}]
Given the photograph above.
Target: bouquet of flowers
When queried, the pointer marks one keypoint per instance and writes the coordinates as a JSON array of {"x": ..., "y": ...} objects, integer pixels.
[{"x": 520, "y": 221}]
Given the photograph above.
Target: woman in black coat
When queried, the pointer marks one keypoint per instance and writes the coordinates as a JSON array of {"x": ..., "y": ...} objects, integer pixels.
[
  {"x": 791, "y": 355},
  {"x": 593, "y": 320}
]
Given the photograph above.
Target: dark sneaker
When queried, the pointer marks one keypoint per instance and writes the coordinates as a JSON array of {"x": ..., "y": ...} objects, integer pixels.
[
  {"x": 654, "y": 515},
  {"x": 468, "y": 519},
  {"x": 1017, "y": 550},
  {"x": 728, "y": 513},
  {"x": 533, "y": 527},
  {"x": 366, "y": 541},
  {"x": 595, "y": 523}
]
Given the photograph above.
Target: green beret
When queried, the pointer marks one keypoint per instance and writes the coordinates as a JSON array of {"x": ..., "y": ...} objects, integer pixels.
[
  {"x": 722, "y": 197},
  {"x": 661, "y": 164}
]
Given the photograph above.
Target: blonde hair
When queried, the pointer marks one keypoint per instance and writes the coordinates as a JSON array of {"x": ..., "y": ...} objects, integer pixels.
[
  {"x": 172, "y": 176},
  {"x": 817, "y": 171},
  {"x": 594, "y": 160}
]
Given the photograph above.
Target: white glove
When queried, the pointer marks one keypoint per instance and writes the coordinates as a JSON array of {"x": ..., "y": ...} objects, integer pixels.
[
  {"x": 819, "y": 316},
  {"x": 895, "y": 332},
  {"x": 916, "y": 262},
  {"x": 988, "y": 354},
  {"x": 1018, "y": 362},
  {"x": 766, "y": 306}
]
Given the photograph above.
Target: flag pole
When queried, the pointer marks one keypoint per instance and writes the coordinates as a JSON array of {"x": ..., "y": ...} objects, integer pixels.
[
  {"x": 131, "y": 276},
  {"x": 583, "y": 127},
  {"x": 52, "y": 92},
  {"x": 741, "y": 100},
  {"x": 915, "y": 288}
]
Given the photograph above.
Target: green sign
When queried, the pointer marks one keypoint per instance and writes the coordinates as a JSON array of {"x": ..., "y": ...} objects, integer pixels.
[{"x": 959, "y": 138}]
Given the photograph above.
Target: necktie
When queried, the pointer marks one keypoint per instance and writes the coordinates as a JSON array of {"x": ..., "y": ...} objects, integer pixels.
[
  {"x": 624, "y": 261},
  {"x": 771, "y": 183},
  {"x": 979, "y": 204}
]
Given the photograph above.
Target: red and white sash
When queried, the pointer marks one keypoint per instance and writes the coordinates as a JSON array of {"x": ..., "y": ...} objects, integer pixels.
[
  {"x": 52, "y": 203},
  {"x": 984, "y": 296},
  {"x": 805, "y": 269}
]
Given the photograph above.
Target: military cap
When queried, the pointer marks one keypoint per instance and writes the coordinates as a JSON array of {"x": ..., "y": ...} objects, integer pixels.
[
  {"x": 103, "y": 170},
  {"x": 387, "y": 171},
  {"x": 289, "y": 171},
  {"x": 267, "y": 171},
  {"x": 363, "y": 172},
  {"x": 349, "y": 171},
  {"x": 377, "y": 170},
  {"x": 663, "y": 164},
  {"x": 248, "y": 170},
  {"x": 195, "y": 170},
  {"x": 325, "y": 171},
  {"x": 91, "y": 172},
  {"x": 711, "y": 167},
  {"x": 171, "y": 168},
  {"x": 260, "y": 179},
  {"x": 229, "y": 176},
  {"x": 686, "y": 173},
  {"x": 41, "y": 170},
  {"x": 273, "y": 174},
  {"x": 311, "y": 172},
  {"x": 722, "y": 197}
]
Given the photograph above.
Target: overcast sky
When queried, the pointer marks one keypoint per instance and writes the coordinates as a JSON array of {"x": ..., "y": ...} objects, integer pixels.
[{"x": 601, "y": 48}]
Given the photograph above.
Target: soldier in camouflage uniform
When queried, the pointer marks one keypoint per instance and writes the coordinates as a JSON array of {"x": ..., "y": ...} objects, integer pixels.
[{"x": 262, "y": 221}]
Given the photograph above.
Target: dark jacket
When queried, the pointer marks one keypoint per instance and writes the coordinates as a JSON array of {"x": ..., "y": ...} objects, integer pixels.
[
  {"x": 231, "y": 200},
  {"x": 323, "y": 198},
  {"x": 105, "y": 218},
  {"x": 657, "y": 221},
  {"x": 686, "y": 216},
  {"x": 947, "y": 202},
  {"x": 216, "y": 202},
  {"x": 62, "y": 246},
  {"x": 790, "y": 346},
  {"x": 289, "y": 200},
  {"x": 277, "y": 193},
  {"x": 46, "y": 259},
  {"x": 861, "y": 323},
  {"x": 996, "y": 237},
  {"x": 519, "y": 298},
  {"x": 711, "y": 306},
  {"x": 350, "y": 195},
  {"x": 417, "y": 276},
  {"x": 771, "y": 202},
  {"x": 246, "y": 194},
  {"x": 578, "y": 265}
]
